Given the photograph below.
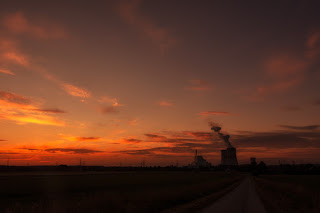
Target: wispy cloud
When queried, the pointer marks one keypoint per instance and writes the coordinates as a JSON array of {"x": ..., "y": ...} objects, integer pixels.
[
  {"x": 251, "y": 142},
  {"x": 109, "y": 110},
  {"x": 72, "y": 150},
  {"x": 76, "y": 91},
  {"x": 109, "y": 100},
  {"x": 165, "y": 103},
  {"x": 207, "y": 113},
  {"x": 199, "y": 85},
  {"x": 284, "y": 71},
  {"x": 80, "y": 138},
  {"x": 19, "y": 24},
  {"x": 10, "y": 53},
  {"x": 310, "y": 127},
  {"x": 130, "y": 140},
  {"x": 6, "y": 71},
  {"x": 53, "y": 110},
  {"x": 2, "y": 140},
  {"x": 23, "y": 110},
  {"x": 130, "y": 11}
]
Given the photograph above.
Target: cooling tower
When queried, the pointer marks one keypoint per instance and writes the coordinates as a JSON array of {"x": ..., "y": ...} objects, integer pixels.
[{"x": 229, "y": 157}]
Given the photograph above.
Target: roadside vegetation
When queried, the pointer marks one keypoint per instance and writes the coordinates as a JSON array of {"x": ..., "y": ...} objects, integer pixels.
[
  {"x": 108, "y": 192},
  {"x": 289, "y": 193}
]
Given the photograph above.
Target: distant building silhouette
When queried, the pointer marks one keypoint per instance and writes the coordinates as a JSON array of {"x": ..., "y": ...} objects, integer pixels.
[
  {"x": 199, "y": 161},
  {"x": 229, "y": 157},
  {"x": 253, "y": 161}
]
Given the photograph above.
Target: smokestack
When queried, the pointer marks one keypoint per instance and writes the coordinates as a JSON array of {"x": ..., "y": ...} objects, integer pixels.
[
  {"x": 229, "y": 155},
  {"x": 196, "y": 155}
]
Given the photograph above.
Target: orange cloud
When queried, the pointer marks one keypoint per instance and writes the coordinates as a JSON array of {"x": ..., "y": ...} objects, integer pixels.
[
  {"x": 75, "y": 91},
  {"x": 16, "y": 58},
  {"x": 199, "y": 85},
  {"x": 160, "y": 36},
  {"x": 77, "y": 138},
  {"x": 165, "y": 103},
  {"x": 286, "y": 71},
  {"x": 313, "y": 40},
  {"x": 6, "y": 71},
  {"x": 10, "y": 53},
  {"x": 133, "y": 122},
  {"x": 22, "y": 110},
  {"x": 207, "y": 113},
  {"x": 130, "y": 140},
  {"x": 106, "y": 99},
  {"x": 19, "y": 24},
  {"x": 73, "y": 150}
]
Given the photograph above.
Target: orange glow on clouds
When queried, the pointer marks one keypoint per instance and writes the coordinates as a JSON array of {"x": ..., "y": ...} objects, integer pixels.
[
  {"x": 20, "y": 109},
  {"x": 6, "y": 71},
  {"x": 76, "y": 91},
  {"x": 18, "y": 23},
  {"x": 207, "y": 113}
]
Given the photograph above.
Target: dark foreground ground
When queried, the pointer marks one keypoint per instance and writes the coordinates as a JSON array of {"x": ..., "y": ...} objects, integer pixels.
[
  {"x": 108, "y": 191},
  {"x": 289, "y": 193}
]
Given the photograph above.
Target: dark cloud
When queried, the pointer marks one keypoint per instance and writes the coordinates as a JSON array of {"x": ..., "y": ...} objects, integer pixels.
[
  {"x": 109, "y": 109},
  {"x": 74, "y": 151},
  {"x": 317, "y": 102},
  {"x": 50, "y": 110},
  {"x": 278, "y": 139},
  {"x": 291, "y": 108},
  {"x": 207, "y": 113},
  {"x": 310, "y": 127},
  {"x": 131, "y": 140},
  {"x": 87, "y": 138},
  {"x": 30, "y": 149},
  {"x": 245, "y": 140},
  {"x": 2, "y": 140},
  {"x": 9, "y": 153},
  {"x": 13, "y": 98},
  {"x": 153, "y": 136}
]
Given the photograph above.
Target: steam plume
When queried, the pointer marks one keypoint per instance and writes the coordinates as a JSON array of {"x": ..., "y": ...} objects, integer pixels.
[{"x": 217, "y": 129}]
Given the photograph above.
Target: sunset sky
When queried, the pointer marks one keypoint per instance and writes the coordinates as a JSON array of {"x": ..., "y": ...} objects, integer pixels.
[{"x": 118, "y": 82}]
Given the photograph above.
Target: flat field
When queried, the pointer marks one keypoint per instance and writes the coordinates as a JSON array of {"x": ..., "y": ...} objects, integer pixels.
[
  {"x": 107, "y": 191},
  {"x": 290, "y": 193}
]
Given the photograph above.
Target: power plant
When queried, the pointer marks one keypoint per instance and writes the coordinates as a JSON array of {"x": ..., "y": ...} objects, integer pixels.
[
  {"x": 199, "y": 161},
  {"x": 229, "y": 155}
]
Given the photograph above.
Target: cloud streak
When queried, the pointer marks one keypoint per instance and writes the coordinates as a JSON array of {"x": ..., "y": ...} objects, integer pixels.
[
  {"x": 75, "y": 91},
  {"x": 72, "y": 150},
  {"x": 160, "y": 36},
  {"x": 6, "y": 71},
  {"x": 165, "y": 103},
  {"x": 80, "y": 138},
  {"x": 284, "y": 71},
  {"x": 20, "y": 109},
  {"x": 310, "y": 127},
  {"x": 208, "y": 113},
  {"x": 199, "y": 85},
  {"x": 18, "y": 23}
]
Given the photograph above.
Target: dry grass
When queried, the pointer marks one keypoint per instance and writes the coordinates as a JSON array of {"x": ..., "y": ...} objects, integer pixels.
[
  {"x": 109, "y": 192},
  {"x": 290, "y": 193}
]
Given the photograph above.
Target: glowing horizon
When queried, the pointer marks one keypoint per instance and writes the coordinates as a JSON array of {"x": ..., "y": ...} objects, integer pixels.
[{"x": 126, "y": 81}]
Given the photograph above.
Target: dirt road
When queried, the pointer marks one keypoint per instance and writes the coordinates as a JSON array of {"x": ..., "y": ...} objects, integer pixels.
[{"x": 243, "y": 199}]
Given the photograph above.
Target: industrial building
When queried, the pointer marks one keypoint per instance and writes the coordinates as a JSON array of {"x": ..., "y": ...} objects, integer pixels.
[
  {"x": 199, "y": 161},
  {"x": 229, "y": 155}
]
